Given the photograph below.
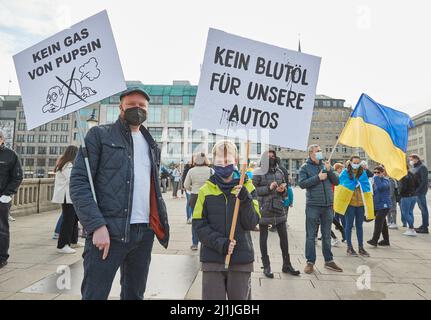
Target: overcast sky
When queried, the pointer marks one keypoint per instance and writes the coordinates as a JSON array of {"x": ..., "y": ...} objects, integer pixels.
[{"x": 382, "y": 48}]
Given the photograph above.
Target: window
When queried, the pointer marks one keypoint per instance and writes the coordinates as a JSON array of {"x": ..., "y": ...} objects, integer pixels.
[
  {"x": 111, "y": 114},
  {"x": 197, "y": 135},
  {"x": 66, "y": 117},
  {"x": 54, "y": 139},
  {"x": 64, "y": 127},
  {"x": 190, "y": 114},
  {"x": 175, "y": 133},
  {"x": 41, "y": 162},
  {"x": 62, "y": 149},
  {"x": 155, "y": 115},
  {"x": 156, "y": 100},
  {"x": 21, "y": 115},
  {"x": 255, "y": 148},
  {"x": 156, "y": 133},
  {"x": 53, "y": 150},
  {"x": 29, "y": 162},
  {"x": 174, "y": 115},
  {"x": 175, "y": 149},
  {"x": 43, "y": 127},
  {"x": 52, "y": 162},
  {"x": 192, "y": 100},
  {"x": 20, "y": 138},
  {"x": 30, "y": 150},
  {"x": 54, "y": 127},
  {"x": 114, "y": 99},
  {"x": 75, "y": 134},
  {"x": 196, "y": 147},
  {"x": 41, "y": 150},
  {"x": 30, "y": 138},
  {"x": 175, "y": 100},
  {"x": 22, "y": 127},
  {"x": 63, "y": 139},
  {"x": 42, "y": 138}
]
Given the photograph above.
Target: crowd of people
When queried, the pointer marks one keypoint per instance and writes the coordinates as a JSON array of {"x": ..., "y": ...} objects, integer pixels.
[{"x": 127, "y": 210}]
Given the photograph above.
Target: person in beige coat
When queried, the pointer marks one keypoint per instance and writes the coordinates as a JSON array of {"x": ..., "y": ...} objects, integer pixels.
[
  {"x": 69, "y": 227},
  {"x": 195, "y": 179}
]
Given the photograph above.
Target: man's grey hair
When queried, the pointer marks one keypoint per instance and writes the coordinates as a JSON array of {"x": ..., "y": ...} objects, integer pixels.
[{"x": 312, "y": 147}]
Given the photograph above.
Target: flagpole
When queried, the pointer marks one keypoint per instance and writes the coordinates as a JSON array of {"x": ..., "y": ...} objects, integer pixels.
[{"x": 237, "y": 203}]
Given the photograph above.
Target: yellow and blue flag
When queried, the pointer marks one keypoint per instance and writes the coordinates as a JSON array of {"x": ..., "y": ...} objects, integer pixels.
[
  {"x": 344, "y": 192},
  {"x": 382, "y": 132}
]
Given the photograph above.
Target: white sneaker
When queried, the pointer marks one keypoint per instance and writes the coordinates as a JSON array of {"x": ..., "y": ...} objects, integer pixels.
[
  {"x": 11, "y": 219},
  {"x": 66, "y": 249},
  {"x": 334, "y": 242},
  {"x": 393, "y": 226},
  {"x": 410, "y": 233},
  {"x": 189, "y": 221},
  {"x": 77, "y": 245}
]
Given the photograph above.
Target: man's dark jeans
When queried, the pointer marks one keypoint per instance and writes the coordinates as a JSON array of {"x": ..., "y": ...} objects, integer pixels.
[
  {"x": 422, "y": 203},
  {"x": 4, "y": 231},
  {"x": 132, "y": 258}
]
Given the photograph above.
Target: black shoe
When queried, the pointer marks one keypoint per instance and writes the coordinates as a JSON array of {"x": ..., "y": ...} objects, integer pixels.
[
  {"x": 3, "y": 264},
  {"x": 422, "y": 230},
  {"x": 372, "y": 243},
  {"x": 351, "y": 252},
  {"x": 267, "y": 272},
  {"x": 384, "y": 243},
  {"x": 289, "y": 269}
]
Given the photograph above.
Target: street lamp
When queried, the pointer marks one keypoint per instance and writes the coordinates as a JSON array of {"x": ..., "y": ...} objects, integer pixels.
[{"x": 92, "y": 121}]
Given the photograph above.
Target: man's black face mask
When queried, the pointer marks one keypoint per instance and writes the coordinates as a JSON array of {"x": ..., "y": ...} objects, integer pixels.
[{"x": 135, "y": 116}]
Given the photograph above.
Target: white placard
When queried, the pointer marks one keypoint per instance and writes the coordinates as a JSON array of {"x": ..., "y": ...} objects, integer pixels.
[
  {"x": 68, "y": 71},
  {"x": 249, "y": 89}
]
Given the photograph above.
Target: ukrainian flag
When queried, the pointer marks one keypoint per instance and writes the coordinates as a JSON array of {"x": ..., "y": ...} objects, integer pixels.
[
  {"x": 382, "y": 132},
  {"x": 343, "y": 193}
]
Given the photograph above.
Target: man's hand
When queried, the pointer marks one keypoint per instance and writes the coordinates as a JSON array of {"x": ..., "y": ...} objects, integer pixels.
[
  {"x": 328, "y": 166},
  {"x": 231, "y": 247},
  {"x": 273, "y": 185},
  {"x": 102, "y": 241},
  {"x": 323, "y": 175}
]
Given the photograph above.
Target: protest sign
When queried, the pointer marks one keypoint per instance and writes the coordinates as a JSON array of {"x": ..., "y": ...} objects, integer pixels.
[
  {"x": 246, "y": 85},
  {"x": 68, "y": 71}
]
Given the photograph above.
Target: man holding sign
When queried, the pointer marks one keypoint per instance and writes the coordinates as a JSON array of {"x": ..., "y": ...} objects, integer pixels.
[{"x": 124, "y": 161}]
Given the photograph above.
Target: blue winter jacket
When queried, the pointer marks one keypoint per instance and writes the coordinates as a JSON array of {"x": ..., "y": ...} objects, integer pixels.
[{"x": 382, "y": 193}]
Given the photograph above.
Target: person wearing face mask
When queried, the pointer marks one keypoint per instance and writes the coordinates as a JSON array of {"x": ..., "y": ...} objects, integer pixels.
[
  {"x": 317, "y": 177},
  {"x": 382, "y": 205},
  {"x": 420, "y": 172},
  {"x": 212, "y": 220},
  {"x": 10, "y": 180},
  {"x": 271, "y": 187},
  {"x": 124, "y": 162},
  {"x": 353, "y": 198}
]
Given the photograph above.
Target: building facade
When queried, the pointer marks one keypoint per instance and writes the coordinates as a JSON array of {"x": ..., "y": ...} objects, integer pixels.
[
  {"x": 169, "y": 122},
  {"x": 420, "y": 137}
]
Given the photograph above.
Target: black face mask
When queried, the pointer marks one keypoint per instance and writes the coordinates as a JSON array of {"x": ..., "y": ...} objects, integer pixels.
[
  {"x": 135, "y": 116},
  {"x": 272, "y": 162}
]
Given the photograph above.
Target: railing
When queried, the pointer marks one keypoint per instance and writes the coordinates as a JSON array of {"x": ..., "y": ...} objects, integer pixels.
[{"x": 34, "y": 196}]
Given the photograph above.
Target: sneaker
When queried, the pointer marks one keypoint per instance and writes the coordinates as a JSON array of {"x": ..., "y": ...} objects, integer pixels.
[
  {"x": 77, "y": 245},
  {"x": 393, "y": 226},
  {"x": 410, "y": 233},
  {"x": 363, "y": 253},
  {"x": 332, "y": 266},
  {"x": 334, "y": 242},
  {"x": 11, "y": 219},
  {"x": 257, "y": 229},
  {"x": 422, "y": 230},
  {"x": 404, "y": 225},
  {"x": 55, "y": 236},
  {"x": 3, "y": 264},
  {"x": 309, "y": 268},
  {"x": 194, "y": 247},
  {"x": 66, "y": 249},
  {"x": 372, "y": 243},
  {"x": 189, "y": 221},
  {"x": 384, "y": 243},
  {"x": 351, "y": 252}
]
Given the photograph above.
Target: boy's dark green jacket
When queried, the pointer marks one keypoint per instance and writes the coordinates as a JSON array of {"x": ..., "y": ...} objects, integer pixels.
[{"x": 212, "y": 219}]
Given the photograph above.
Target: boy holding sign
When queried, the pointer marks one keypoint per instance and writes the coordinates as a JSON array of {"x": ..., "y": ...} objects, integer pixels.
[{"x": 212, "y": 219}]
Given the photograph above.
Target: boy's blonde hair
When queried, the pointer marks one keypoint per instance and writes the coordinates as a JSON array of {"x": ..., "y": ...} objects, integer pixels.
[{"x": 225, "y": 147}]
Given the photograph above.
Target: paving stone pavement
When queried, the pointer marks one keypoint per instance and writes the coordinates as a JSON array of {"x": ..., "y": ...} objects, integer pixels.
[{"x": 402, "y": 271}]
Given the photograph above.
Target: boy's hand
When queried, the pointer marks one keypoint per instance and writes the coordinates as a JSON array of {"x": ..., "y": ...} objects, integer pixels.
[
  {"x": 242, "y": 193},
  {"x": 231, "y": 247}
]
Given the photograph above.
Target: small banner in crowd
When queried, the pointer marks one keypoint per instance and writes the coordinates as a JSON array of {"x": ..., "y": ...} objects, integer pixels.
[
  {"x": 68, "y": 71},
  {"x": 247, "y": 86}
]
